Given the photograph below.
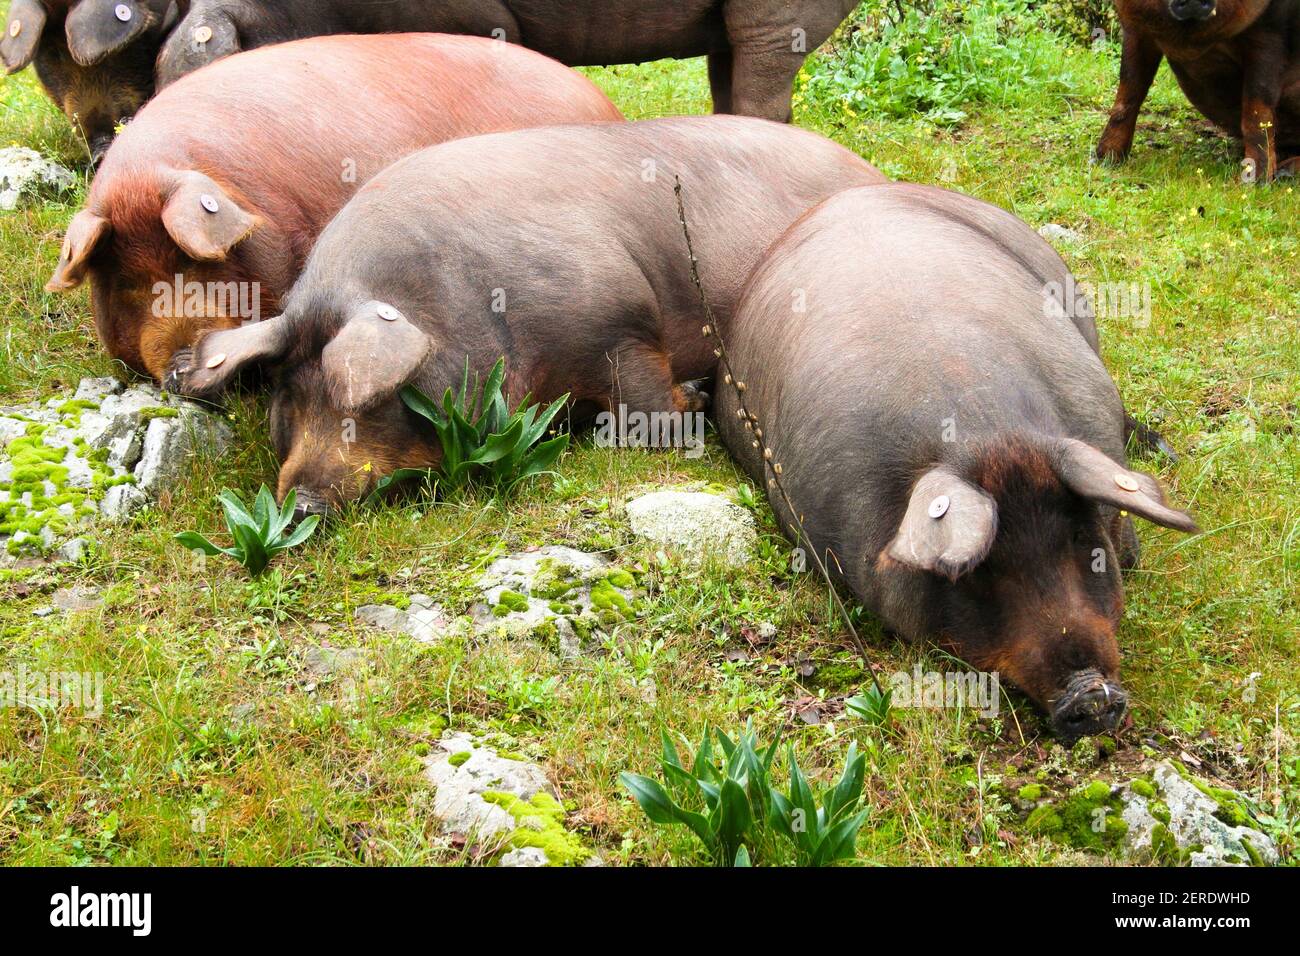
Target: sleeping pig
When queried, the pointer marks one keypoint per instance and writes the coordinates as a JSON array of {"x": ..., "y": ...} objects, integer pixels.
[
  {"x": 755, "y": 47},
  {"x": 948, "y": 435},
  {"x": 558, "y": 249},
  {"x": 1238, "y": 62},
  {"x": 206, "y": 206},
  {"x": 95, "y": 58}
]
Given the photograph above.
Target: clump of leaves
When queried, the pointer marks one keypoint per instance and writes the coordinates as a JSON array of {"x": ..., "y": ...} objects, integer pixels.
[
  {"x": 482, "y": 439},
  {"x": 728, "y": 801},
  {"x": 873, "y": 705},
  {"x": 259, "y": 531}
]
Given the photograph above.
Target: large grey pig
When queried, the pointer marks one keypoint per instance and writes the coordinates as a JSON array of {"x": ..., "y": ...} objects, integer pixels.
[
  {"x": 948, "y": 434},
  {"x": 755, "y": 47},
  {"x": 206, "y": 206},
  {"x": 557, "y": 248}
]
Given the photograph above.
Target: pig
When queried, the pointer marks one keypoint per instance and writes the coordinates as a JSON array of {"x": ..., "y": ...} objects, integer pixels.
[
  {"x": 558, "y": 249},
  {"x": 97, "y": 83},
  {"x": 1237, "y": 61},
  {"x": 755, "y": 47},
  {"x": 204, "y": 209},
  {"x": 948, "y": 435}
]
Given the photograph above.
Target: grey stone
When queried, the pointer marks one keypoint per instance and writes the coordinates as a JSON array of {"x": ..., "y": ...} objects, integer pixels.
[
  {"x": 73, "y": 550},
  {"x": 696, "y": 524},
  {"x": 25, "y": 172},
  {"x": 122, "y": 501},
  {"x": 525, "y": 856},
  {"x": 424, "y": 620},
  {"x": 43, "y": 611},
  {"x": 322, "y": 662},
  {"x": 458, "y": 800},
  {"x": 97, "y": 389},
  {"x": 1192, "y": 823},
  {"x": 77, "y": 598},
  {"x": 1056, "y": 233}
]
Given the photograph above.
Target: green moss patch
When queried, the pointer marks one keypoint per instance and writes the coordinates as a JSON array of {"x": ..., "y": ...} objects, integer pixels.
[
  {"x": 541, "y": 825},
  {"x": 1090, "y": 818}
]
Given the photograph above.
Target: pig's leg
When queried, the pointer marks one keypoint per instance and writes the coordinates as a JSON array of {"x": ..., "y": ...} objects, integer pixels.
[
  {"x": 641, "y": 380},
  {"x": 1289, "y": 167},
  {"x": 762, "y": 82},
  {"x": 720, "y": 80},
  {"x": 1138, "y": 65},
  {"x": 1261, "y": 93}
]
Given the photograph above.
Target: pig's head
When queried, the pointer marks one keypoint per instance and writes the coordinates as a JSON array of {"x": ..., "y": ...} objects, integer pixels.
[
  {"x": 337, "y": 420},
  {"x": 170, "y": 254},
  {"x": 99, "y": 28},
  {"x": 1192, "y": 21},
  {"x": 1011, "y": 559},
  {"x": 97, "y": 98}
]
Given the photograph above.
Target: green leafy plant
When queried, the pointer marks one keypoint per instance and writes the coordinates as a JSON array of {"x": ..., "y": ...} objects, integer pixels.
[
  {"x": 728, "y": 801},
  {"x": 482, "y": 439},
  {"x": 259, "y": 531},
  {"x": 872, "y": 705}
]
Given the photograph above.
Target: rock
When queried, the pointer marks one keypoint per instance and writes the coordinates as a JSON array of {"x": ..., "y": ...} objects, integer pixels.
[
  {"x": 695, "y": 523},
  {"x": 122, "y": 501},
  {"x": 424, "y": 620},
  {"x": 1194, "y": 823},
  {"x": 43, "y": 611},
  {"x": 25, "y": 172},
  {"x": 463, "y": 771},
  {"x": 77, "y": 598},
  {"x": 525, "y": 856},
  {"x": 322, "y": 662},
  {"x": 169, "y": 442},
  {"x": 74, "y": 550},
  {"x": 97, "y": 389},
  {"x": 555, "y": 593},
  {"x": 1054, "y": 232}
]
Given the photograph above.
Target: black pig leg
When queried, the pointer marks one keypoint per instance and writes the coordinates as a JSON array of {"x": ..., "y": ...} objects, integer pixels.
[
  {"x": 720, "y": 80},
  {"x": 641, "y": 380},
  {"x": 1261, "y": 92},
  {"x": 1138, "y": 65}
]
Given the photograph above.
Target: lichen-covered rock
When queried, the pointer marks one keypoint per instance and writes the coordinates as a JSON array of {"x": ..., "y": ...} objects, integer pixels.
[
  {"x": 26, "y": 173},
  {"x": 102, "y": 453},
  {"x": 556, "y": 594},
  {"x": 1174, "y": 818},
  {"x": 696, "y": 524},
  {"x": 1057, "y": 234},
  {"x": 423, "y": 620},
  {"x": 500, "y": 802}
]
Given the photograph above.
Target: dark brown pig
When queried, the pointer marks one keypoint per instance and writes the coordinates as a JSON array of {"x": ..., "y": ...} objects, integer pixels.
[
  {"x": 948, "y": 435},
  {"x": 205, "y": 208},
  {"x": 1238, "y": 62},
  {"x": 98, "y": 85},
  {"x": 755, "y": 47},
  {"x": 558, "y": 249}
]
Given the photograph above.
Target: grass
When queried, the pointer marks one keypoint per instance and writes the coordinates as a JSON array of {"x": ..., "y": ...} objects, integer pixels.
[{"x": 216, "y": 747}]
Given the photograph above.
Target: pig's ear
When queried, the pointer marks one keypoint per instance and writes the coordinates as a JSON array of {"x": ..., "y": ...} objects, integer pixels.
[
  {"x": 22, "y": 34},
  {"x": 85, "y": 232},
  {"x": 96, "y": 29},
  {"x": 204, "y": 35},
  {"x": 949, "y": 526},
  {"x": 204, "y": 221},
  {"x": 373, "y": 355},
  {"x": 218, "y": 357},
  {"x": 1088, "y": 472}
]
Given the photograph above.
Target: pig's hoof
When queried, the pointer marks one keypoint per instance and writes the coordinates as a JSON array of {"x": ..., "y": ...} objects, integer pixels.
[
  {"x": 694, "y": 397},
  {"x": 179, "y": 369}
]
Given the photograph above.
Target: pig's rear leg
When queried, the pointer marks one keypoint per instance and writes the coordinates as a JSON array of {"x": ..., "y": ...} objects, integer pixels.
[
  {"x": 720, "y": 80},
  {"x": 641, "y": 380}
]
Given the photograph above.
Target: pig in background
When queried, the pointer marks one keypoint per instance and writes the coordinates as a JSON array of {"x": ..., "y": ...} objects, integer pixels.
[
  {"x": 225, "y": 180},
  {"x": 948, "y": 435},
  {"x": 557, "y": 248},
  {"x": 1237, "y": 61},
  {"x": 94, "y": 58},
  {"x": 755, "y": 47}
]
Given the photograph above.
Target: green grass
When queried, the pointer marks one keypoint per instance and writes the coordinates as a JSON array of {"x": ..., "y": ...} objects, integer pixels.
[{"x": 215, "y": 747}]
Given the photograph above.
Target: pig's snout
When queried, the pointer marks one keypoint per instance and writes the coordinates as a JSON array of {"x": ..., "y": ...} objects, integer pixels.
[
  {"x": 1194, "y": 10},
  {"x": 308, "y": 503},
  {"x": 98, "y": 147},
  {"x": 1090, "y": 705}
]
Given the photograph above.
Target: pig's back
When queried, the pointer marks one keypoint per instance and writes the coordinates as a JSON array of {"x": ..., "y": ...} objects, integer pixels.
[
  {"x": 304, "y": 123},
  {"x": 920, "y": 308},
  {"x": 551, "y": 208}
]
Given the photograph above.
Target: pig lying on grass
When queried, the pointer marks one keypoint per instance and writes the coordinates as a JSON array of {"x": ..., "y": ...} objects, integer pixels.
[
  {"x": 948, "y": 435},
  {"x": 556, "y": 248},
  {"x": 1238, "y": 61},
  {"x": 205, "y": 208}
]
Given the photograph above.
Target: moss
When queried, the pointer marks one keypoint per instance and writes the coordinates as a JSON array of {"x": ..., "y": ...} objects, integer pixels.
[
  {"x": 158, "y": 411},
  {"x": 511, "y": 601},
  {"x": 1164, "y": 848},
  {"x": 836, "y": 677},
  {"x": 553, "y": 580},
  {"x": 1143, "y": 788},
  {"x": 541, "y": 825},
  {"x": 1098, "y": 790},
  {"x": 622, "y": 579},
  {"x": 606, "y": 598},
  {"x": 459, "y": 758},
  {"x": 75, "y": 406},
  {"x": 547, "y": 633},
  {"x": 1032, "y": 792},
  {"x": 1160, "y": 810},
  {"x": 1255, "y": 858},
  {"x": 1232, "y": 810},
  {"x": 1073, "y": 820},
  {"x": 558, "y": 607}
]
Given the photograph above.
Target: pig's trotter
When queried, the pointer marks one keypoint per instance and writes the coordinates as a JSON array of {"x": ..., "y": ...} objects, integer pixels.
[
  {"x": 1147, "y": 439},
  {"x": 181, "y": 364}
]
